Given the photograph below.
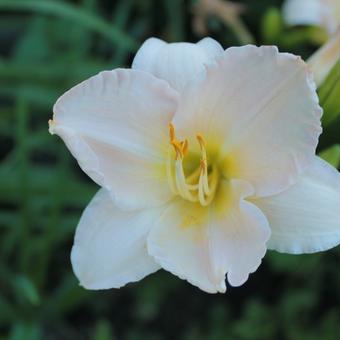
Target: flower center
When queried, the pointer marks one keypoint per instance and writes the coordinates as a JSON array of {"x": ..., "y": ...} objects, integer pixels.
[{"x": 201, "y": 184}]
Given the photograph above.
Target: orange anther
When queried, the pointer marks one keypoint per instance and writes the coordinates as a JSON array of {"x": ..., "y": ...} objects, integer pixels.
[
  {"x": 185, "y": 146},
  {"x": 172, "y": 132},
  {"x": 201, "y": 140},
  {"x": 178, "y": 148}
]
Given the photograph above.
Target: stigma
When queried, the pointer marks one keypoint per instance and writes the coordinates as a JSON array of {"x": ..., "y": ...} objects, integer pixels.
[{"x": 201, "y": 184}]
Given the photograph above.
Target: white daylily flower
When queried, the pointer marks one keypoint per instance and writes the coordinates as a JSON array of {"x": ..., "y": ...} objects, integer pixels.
[
  {"x": 206, "y": 158},
  {"x": 323, "y": 13}
]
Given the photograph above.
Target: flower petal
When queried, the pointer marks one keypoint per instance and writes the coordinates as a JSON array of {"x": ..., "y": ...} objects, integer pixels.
[
  {"x": 202, "y": 244},
  {"x": 177, "y": 63},
  {"x": 115, "y": 125},
  {"x": 262, "y": 105},
  {"x": 311, "y": 12},
  {"x": 305, "y": 218},
  {"x": 179, "y": 243},
  {"x": 238, "y": 234},
  {"x": 109, "y": 249}
]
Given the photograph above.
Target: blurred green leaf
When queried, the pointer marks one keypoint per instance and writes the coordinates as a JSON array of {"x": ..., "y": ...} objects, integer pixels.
[
  {"x": 175, "y": 11},
  {"x": 329, "y": 95},
  {"x": 25, "y": 331},
  {"x": 75, "y": 14},
  {"x": 25, "y": 288},
  {"x": 53, "y": 71},
  {"x": 293, "y": 264},
  {"x": 7, "y": 311},
  {"x": 103, "y": 331},
  {"x": 120, "y": 18},
  {"x": 254, "y": 323},
  {"x": 271, "y": 26},
  {"x": 67, "y": 297},
  {"x": 34, "y": 37},
  {"x": 332, "y": 155},
  {"x": 292, "y": 38}
]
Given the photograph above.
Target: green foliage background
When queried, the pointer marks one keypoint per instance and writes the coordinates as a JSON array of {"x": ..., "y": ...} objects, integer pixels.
[{"x": 45, "y": 48}]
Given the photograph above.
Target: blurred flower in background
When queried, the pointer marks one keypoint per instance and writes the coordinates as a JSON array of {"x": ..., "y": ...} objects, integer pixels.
[
  {"x": 227, "y": 12},
  {"x": 325, "y": 58},
  {"x": 323, "y": 13}
]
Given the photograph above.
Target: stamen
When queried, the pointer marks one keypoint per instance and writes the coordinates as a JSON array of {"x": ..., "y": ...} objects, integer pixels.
[
  {"x": 182, "y": 186},
  {"x": 201, "y": 140},
  {"x": 181, "y": 148},
  {"x": 185, "y": 147},
  {"x": 206, "y": 200},
  {"x": 172, "y": 132},
  {"x": 204, "y": 175},
  {"x": 178, "y": 148},
  {"x": 201, "y": 195},
  {"x": 199, "y": 186},
  {"x": 194, "y": 176},
  {"x": 169, "y": 173},
  {"x": 203, "y": 166}
]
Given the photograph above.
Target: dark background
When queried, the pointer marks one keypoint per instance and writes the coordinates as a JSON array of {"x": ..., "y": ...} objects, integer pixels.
[{"x": 45, "y": 48}]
